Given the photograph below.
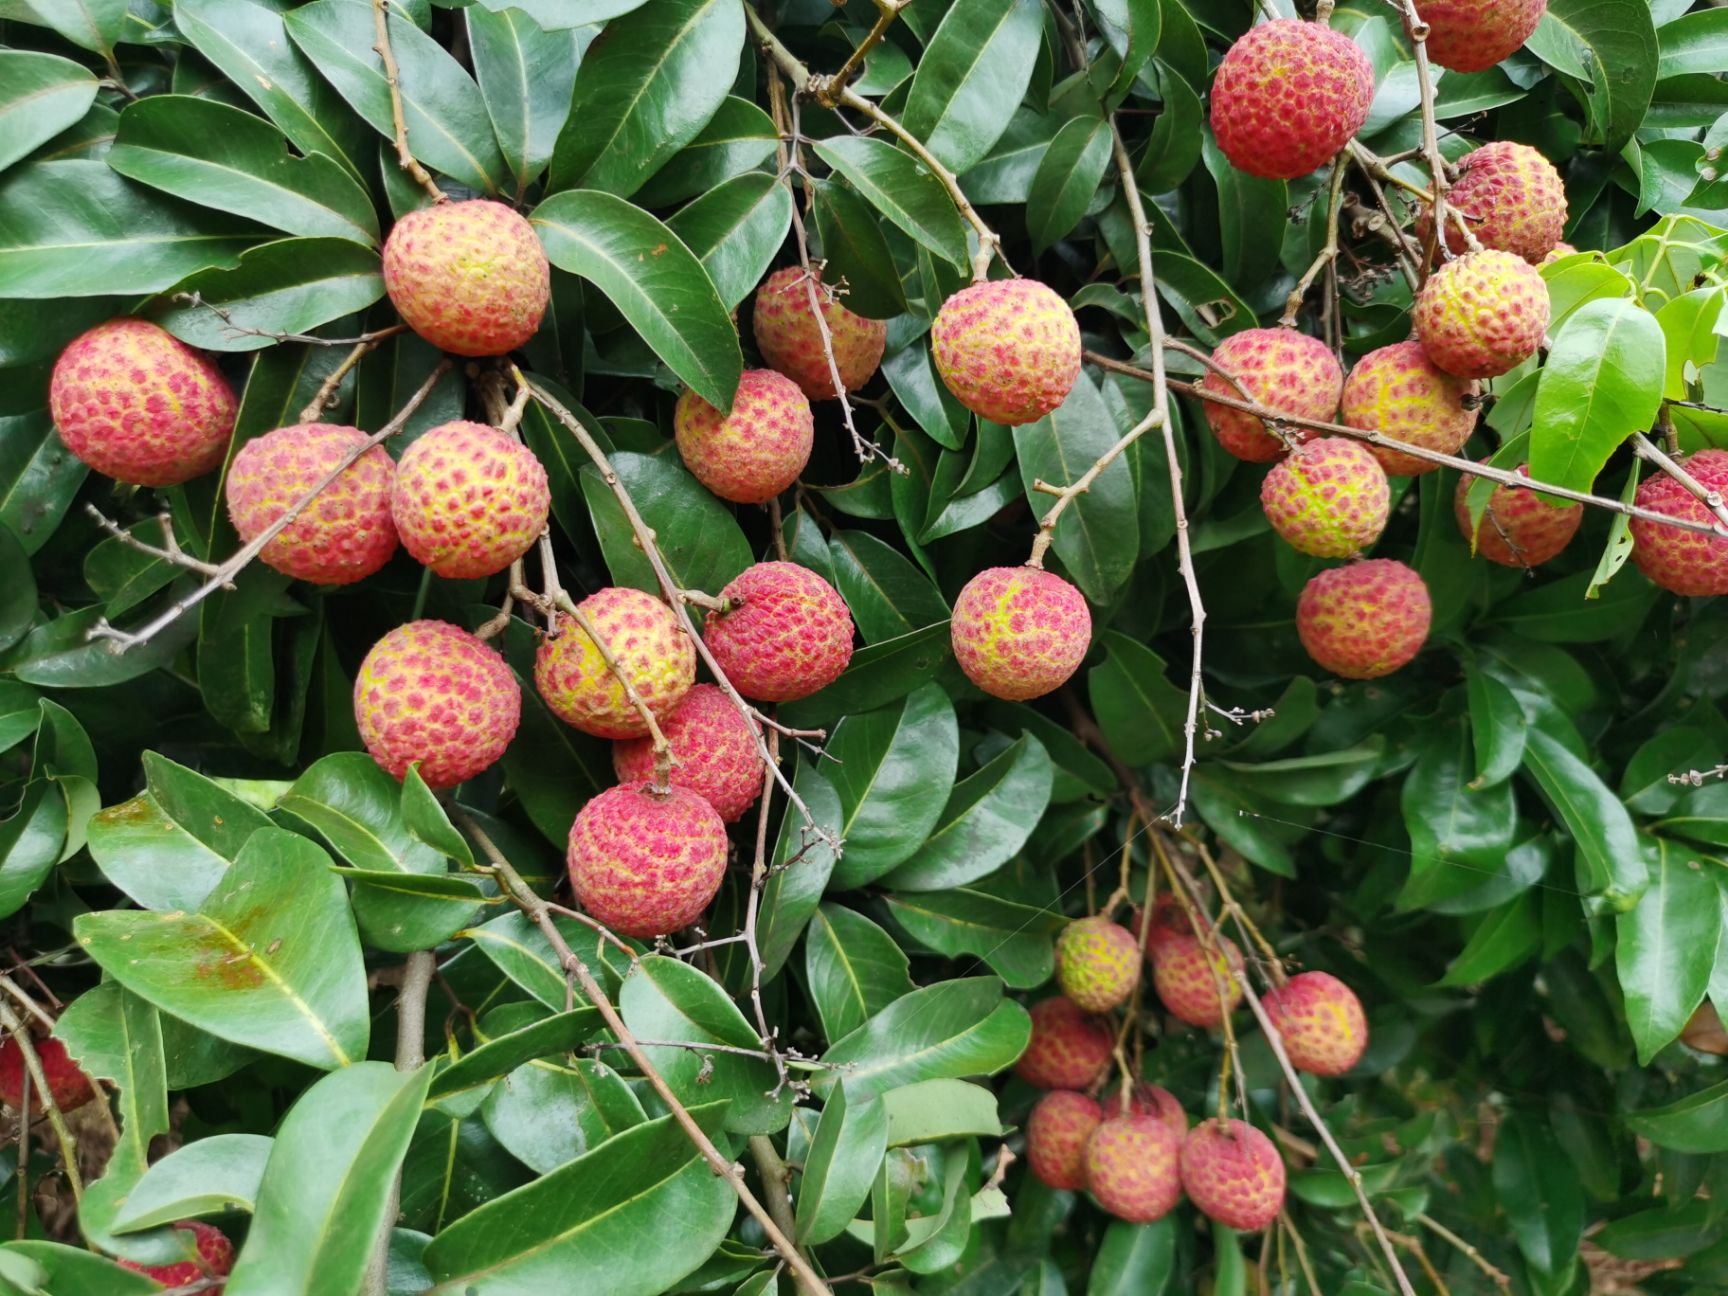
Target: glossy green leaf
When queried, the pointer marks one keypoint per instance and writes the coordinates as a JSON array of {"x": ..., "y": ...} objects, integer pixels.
[
  {"x": 855, "y": 251},
  {"x": 1609, "y": 855},
  {"x": 854, "y": 968},
  {"x": 1692, "y": 1124},
  {"x": 900, "y": 189},
  {"x": 934, "y": 1110},
  {"x": 735, "y": 230},
  {"x": 1135, "y": 1260},
  {"x": 61, "y": 654},
  {"x": 840, "y": 1167},
  {"x": 289, "y": 286},
  {"x": 951, "y": 1029},
  {"x": 698, "y": 537},
  {"x": 1667, "y": 943},
  {"x": 43, "y": 94},
  {"x": 1067, "y": 179},
  {"x": 979, "y": 61},
  {"x": 540, "y": 1037},
  {"x": 1612, "y": 45},
  {"x": 1603, "y": 381},
  {"x": 739, "y": 137},
  {"x": 38, "y": 478},
  {"x": 989, "y": 816},
  {"x": 1015, "y": 940},
  {"x": 1538, "y": 1191},
  {"x": 72, "y": 1271},
  {"x": 894, "y": 772},
  {"x": 887, "y": 594},
  {"x": 525, "y": 73},
  {"x": 205, "y": 1177},
  {"x": 548, "y": 1114},
  {"x": 94, "y": 25},
  {"x": 802, "y": 862},
  {"x": 522, "y": 952}
]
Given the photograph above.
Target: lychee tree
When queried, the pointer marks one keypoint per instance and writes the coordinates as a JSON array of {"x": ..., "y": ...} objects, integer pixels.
[{"x": 981, "y": 646}]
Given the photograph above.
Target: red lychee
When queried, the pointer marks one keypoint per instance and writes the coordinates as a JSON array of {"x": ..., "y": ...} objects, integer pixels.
[
  {"x": 646, "y": 863},
  {"x": 1056, "y": 1136},
  {"x": 1009, "y": 350},
  {"x": 1189, "y": 982},
  {"x": 67, "y": 1084},
  {"x": 1474, "y": 35},
  {"x": 715, "y": 747},
  {"x": 1328, "y": 498},
  {"x": 469, "y": 500},
  {"x": 1288, "y": 96},
  {"x": 1233, "y": 1174},
  {"x": 645, "y": 640},
  {"x": 215, "y": 1258},
  {"x": 1364, "y": 620},
  {"x": 1285, "y": 371},
  {"x": 1321, "y": 1022},
  {"x": 790, "y": 340},
  {"x": 1684, "y": 562},
  {"x": 1511, "y": 199},
  {"x": 1518, "y": 528},
  {"x": 786, "y": 633},
  {"x": 1067, "y": 1049},
  {"x": 752, "y": 454},
  {"x": 1399, "y": 392},
  {"x": 1097, "y": 963},
  {"x": 1483, "y": 314},
  {"x": 469, "y": 277},
  {"x": 1019, "y": 632},
  {"x": 1133, "y": 1167},
  {"x": 1155, "y": 1100}
]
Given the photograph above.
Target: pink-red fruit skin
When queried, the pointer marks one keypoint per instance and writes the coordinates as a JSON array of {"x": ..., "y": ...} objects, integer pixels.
[
  {"x": 1321, "y": 1022},
  {"x": 1287, "y": 372},
  {"x": 1009, "y": 350},
  {"x": 1155, "y": 1100},
  {"x": 431, "y": 692},
  {"x": 1056, "y": 1136},
  {"x": 469, "y": 277},
  {"x": 1132, "y": 1167},
  {"x": 1067, "y": 1049},
  {"x": 1518, "y": 528},
  {"x": 1683, "y": 562},
  {"x": 1328, "y": 498},
  {"x": 1474, "y": 35},
  {"x": 646, "y": 641},
  {"x": 469, "y": 500},
  {"x": 1402, "y": 394},
  {"x": 1483, "y": 314},
  {"x": 790, "y": 340},
  {"x": 1364, "y": 620},
  {"x": 138, "y": 405},
  {"x": 1288, "y": 96},
  {"x": 715, "y": 748},
  {"x": 67, "y": 1084},
  {"x": 646, "y": 863},
  {"x": 787, "y": 634},
  {"x": 1189, "y": 981},
  {"x": 1512, "y": 199},
  {"x": 1019, "y": 632},
  {"x": 752, "y": 454},
  {"x": 214, "y": 1250},
  {"x": 1233, "y": 1174},
  {"x": 1097, "y": 963}
]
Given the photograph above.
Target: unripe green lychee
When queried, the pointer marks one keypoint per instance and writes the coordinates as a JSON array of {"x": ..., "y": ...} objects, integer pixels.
[
  {"x": 431, "y": 692},
  {"x": 1133, "y": 1167},
  {"x": 752, "y": 454},
  {"x": 1399, "y": 392},
  {"x": 786, "y": 633},
  {"x": 1289, "y": 95},
  {"x": 647, "y": 643},
  {"x": 1321, "y": 1022},
  {"x": 1510, "y": 197},
  {"x": 1474, "y": 35},
  {"x": 1067, "y": 1048},
  {"x": 138, "y": 405},
  {"x": 715, "y": 749},
  {"x": 1097, "y": 963},
  {"x": 469, "y": 500},
  {"x": 1482, "y": 314},
  {"x": 1518, "y": 528},
  {"x": 469, "y": 277},
  {"x": 1233, "y": 1174},
  {"x": 1019, "y": 632},
  {"x": 1285, "y": 371},
  {"x": 67, "y": 1084},
  {"x": 790, "y": 340},
  {"x": 215, "y": 1258},
  {"x": 1189, "y": 982},
  {"x": 346, "y": 533},
  {"x": 1364, "y": 620},
  {"x": 1056, "y": 1135},
  {"x": 1328, "y": 498},
  {"x": 1009, "y": 350},
  {"x": 646, "y": 863},
  {"x": 1155, "y": 1100},
  {"x": 1684, "y": 562}
]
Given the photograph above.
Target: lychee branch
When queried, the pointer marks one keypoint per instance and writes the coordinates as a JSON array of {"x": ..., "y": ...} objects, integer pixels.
[
  {"x": 169, "y": 551},
  {"x": 1647, "y": 450},
  {"x": 1467, "y": 1249},
  {"x": 325, "y": 397},
  {"x": 1430, "y": 129},
  {"x": 1328, "y": 254},
  {"x": 196, "y": 300},
  {"x": 825, "y": 89},
  {"x": 393, "y": 78}
]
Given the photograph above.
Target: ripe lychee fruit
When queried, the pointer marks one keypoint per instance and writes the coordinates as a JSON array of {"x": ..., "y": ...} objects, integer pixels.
[
  {"x": 1510, "y": 197},
  {"x": 1400, "y": 393},
  {"x": 469, "y": 277},
  {"x": 1056, "y": 1135},
  {"x": 1133, "y": 1167},
  {"x": 646, "y": 863},
  {"x": 1474, "y": 35},
  {"x": 1288, "y": 96},
  {"x": 138, "y": 405},
  {"x": 1328, "y": 498},
  {"x": 1321, "y": 1022},
  {"x": 469, "y": 500},
  {"x": 1518, "y": 528},
  {"x": 1189, "y": 982},
  {"x": 1097, "y": 963},
  {"x": 67, "y": 1084},
  {"x": 215, "y": 1258},
  {"x": 1019, "y": 632},
  {"x": 1684, "y": 562},
  {"x": 1285, "y": 371},
  {"x": 1364, "y": 620},
  {"x": 1067, "y": 1049},
  {"x": 1009, "y": 350},
  {"x": 647, "y": 642},
  {"x": 790, "y": 340},
  {"x": 1167, "y": 916},
  {"x": 431, "y": 692},
  {"x": 345, "y": 533},
  {"x": 1155, "y": 1100},
  {"x": 1482, "y": 314},
  {"x": 1233, "y": 1174},
  {"x": 785, "y": 634},
  {"x": 752, "y": 454},
  {"x": 715, "y": 750}
]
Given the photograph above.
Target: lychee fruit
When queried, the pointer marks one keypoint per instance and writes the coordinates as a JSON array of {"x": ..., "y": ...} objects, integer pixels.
[
  {"x": 1019, "y": 632},
  {"x": 1097, "y": 963},
  {"x": 789, "y": 339},
  {"x": 1560, "y": 249},
  {"x": 431, "y": 692},
  {"x": 1474, "y": 35},
  {"x": 1289, "y": 95},
  {"x": 1483, "y": 314},
  {"x": 1511, "y": 199},
  {"x": 645, "y": 640},
  {"x": 469, "y": 500},
  {"x": 1189, "y": 981},
  {"x": 752, "y": 454},
  {"x": 1321, "y": 1022},
  {"x": 1067, "y": 1049},
  {"x": 646, "y": 863},
  {"x": 1167, "y": 916},
  {"x": 1399, "y": 392},
  {"x": 1056, "y": 1135},
  {"x": 715, "y": 750},
  {"x": 1286, "y": 372},
  {"x": 215, "y": 1258},
  {"x": 469, "y": 277},
  {"x": 1133, "y": 1167},
  {"x": 1009, "y": 350},
  {"x": 138, "y": 405},
  {"x": 785, "y": 634},
  {"x": 1683, "y": 562},
  {"x": 1233, "y": 1174},
  {"x": 67, "y": 1084},
  {"x": 1518, "y": 528},
  {"x": 1364, "y": 620},
  {"x": 345, "y": 533},
  {"x": 1155, "y": 1100},
  {"x": 1328, "y": 498}
]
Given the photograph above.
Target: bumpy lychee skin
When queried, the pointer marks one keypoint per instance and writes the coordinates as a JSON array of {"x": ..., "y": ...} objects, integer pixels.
[
  {"x": 646, "y": 863},
  {"x": 715, "y": 748},
  {"x": 215, "y": 1252},
  {"x": 1183, "y": 975},
  {"x": 1328, "y": 498},
  {"x": 1683, "y": 562},
  {"x": 469, "y": 500},
  {"x": 1483, "y": 314},
  {"x": 1019, "y": 632},
  {"x": 1288, "y": 96},
  {"x": 1474, "y": 35},
  {"x": 1155, "y": 1100},
  {"x": 790, "y": 340},
  {"x": 67, "y": 1083},
  {"x": 752, "y": 454},
  {"x": 1067, "y": 1049},
  {"x": 431, "y": 692},
  {"x": 1233, "y": 1174},
  {"x": 787, "y": 633},
  {"x": 1287, "y": 372},
  {"x": 1056, "y": 1136},
  {"x": 1399, "y": 392},
  {"x": 342, "y": 536},
  {"x": 1518, "y": 529},
  {"x": 1097, "y": 963},
  {"x": 1365, "y": 620},
  {"x": 1008, "y": 350},
  {"x": 138, "y": 405},
  {"x": 1133, "y": 1167},
  {"x": 1321, "y": 1022},
  {"x": 1512, "y": 199},
  {"x": 469, "y": 277},
  {"x": 644, "y": 638}
]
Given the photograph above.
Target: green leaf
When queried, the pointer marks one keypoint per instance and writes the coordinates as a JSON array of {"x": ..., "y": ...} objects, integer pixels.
[
  {"x": 1611, "y": 861},
  {"x": 1612, "y": 44},
  {"x": 1016, "y": 940},
  {"x": 95, "y": 25},
  {"x": 894, "y": 773},
  {"x": 289, "y": 286},
  {"x": 43, "y": 94},
  {"x": 1132, "y": 28},
  {"x": 1502, "y": 940},
  {"x": 989, "y": 816},
  {"x": 1459, "y": 833},
  {"x": 525, "y": 74},
  {"x": 1134, "y": 1260},
  {"x": 502, "y": 1054},
  {"x": 1694, "y": 42},
  {"x": 1497, "y": 729},
  {"x": 204, "y": 1177},
  {"x": 802, "y": 863},
  {"x": 1691, "y": 1124},
  {"x": 521, "y": 952},
  {"x": 548, "y": 1115},
  {"x": 1539, "y": 1192},
  {"x": 855, "y": 251},
  {"x": 1666, "y": 944},
  {"x": 842, "y": 1162},
  {"x": 735, "y": 230},
  {"x": 886, "y": 592},
  {"x": 877, "y": 675},
  {"x": 61, "y": 654},
  {"x": 17, "y": 589},
  {"x": 1067, "y": 179},
  {"x": 38, "y": 477},
  {"x": 978, "y": 62},
  {"x": 951, "y": 1029},
  {"x": 1603, "y": 381},
  {"x": 901, "y": 189},
  {"x": 739, "y": 137},
  {"x": 698, "y": 537},
  {"x": 1141, "y": 713},
  {"x": 72, "y": 1271},
  {"x": 854, "y": 968},
  {"x": 933, "y": 1110}
]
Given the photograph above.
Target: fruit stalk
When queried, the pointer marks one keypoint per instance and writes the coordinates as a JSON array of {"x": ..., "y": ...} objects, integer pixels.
[
  {"x": 1430, "y": 129},
  {"x": 1327, "y": 254}
]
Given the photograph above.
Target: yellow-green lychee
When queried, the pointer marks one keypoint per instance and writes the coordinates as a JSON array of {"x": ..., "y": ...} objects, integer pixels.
[
  {"x": 1683, "y": 562},
  {"x": 1328, "y": 498},
  {"x": 1399, "y": 392},
  {"x": 1320, "y": 1021},
  {"x": 1483, "y": 314},
  {"x": 1068, "y": 1047},
  {"x": 645, "y": 862},
  {"x": 715, "y": 749},
  {"x": 785, "y": 632},
  {"x": 1288, "y": 372},
  {"x": 1056, "y": 1137},
  {"x": 646, "y": 641},
  {"x": 1233, "y": 1174},
  {"x": 790, "y": 340},
  {"x": 1009, "y": 349},
  {"x": 469, "y": 499},
  {"x": 752, "y": 454},
  {"x": 1518, "y": 529},
  {"x": 1366, "y": 619},
  {"x": 469, "y": 277},
  {"x": 1287, "y": 96},
  {"x": 1019, "y": 632},
  {"x": 1474, "y": 35},
  {"x": 1097, "y": 963},
  {"x": 1510, "y": 197}
]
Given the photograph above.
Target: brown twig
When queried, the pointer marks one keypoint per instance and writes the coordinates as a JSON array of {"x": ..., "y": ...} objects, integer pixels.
[
  {"x": 325, "y": 397},
  {"x": 1646, "y": 449},
  {"x": 196, "y": 300},
  {"x": 1328, "y": 254},
  {"x": 824, "y": 89},
  {"x": 393, "y": 78},
  {"x": 169, "y": 551},
  {"x": 1467, "y": 1249}
]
